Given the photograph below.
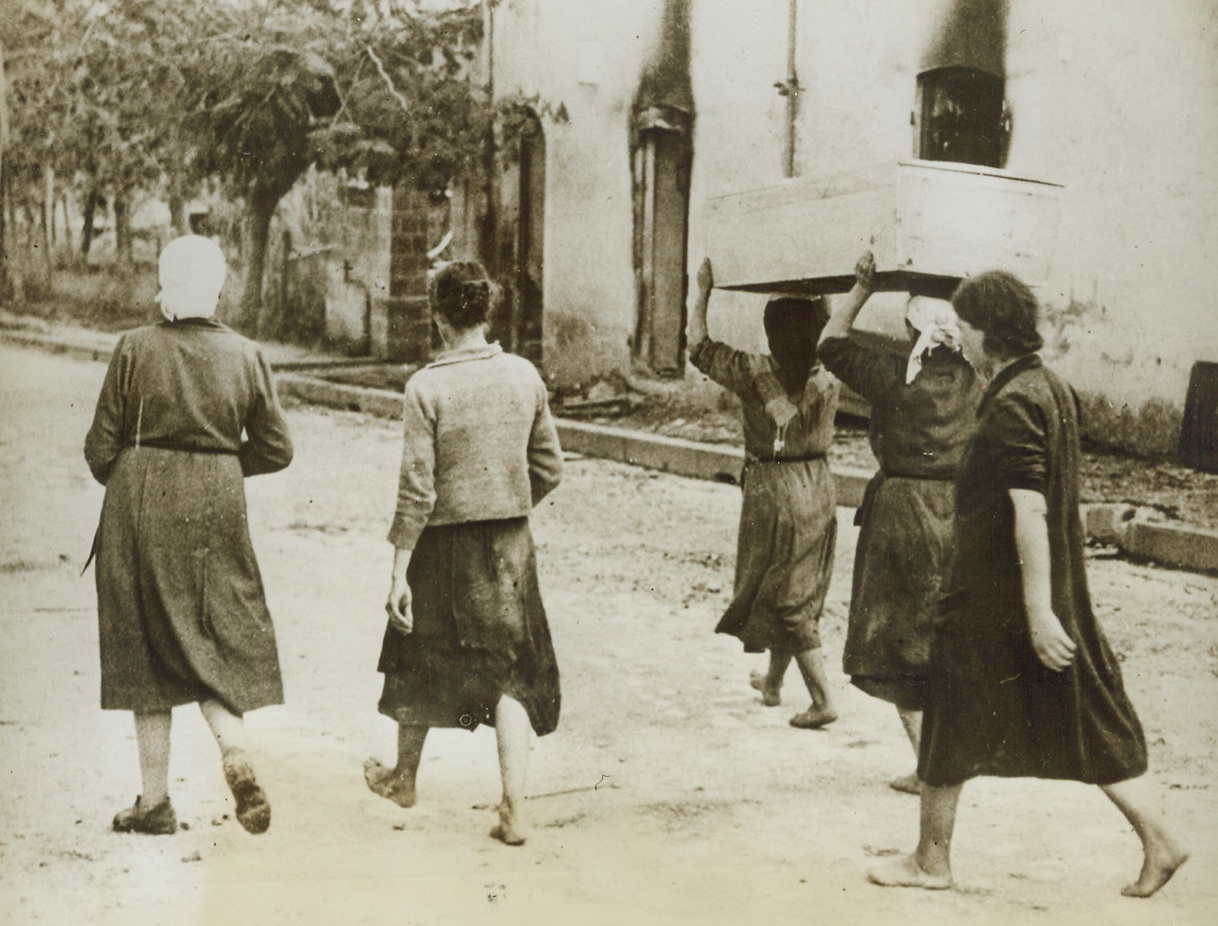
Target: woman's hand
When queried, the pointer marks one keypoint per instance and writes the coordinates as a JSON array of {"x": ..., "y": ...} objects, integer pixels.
[
  {"x": 864, "y": 271},
  {"x": 1052, "y": 644},
  {"x": 706, "y": 276},
  {"x": 397, "y": 606}
]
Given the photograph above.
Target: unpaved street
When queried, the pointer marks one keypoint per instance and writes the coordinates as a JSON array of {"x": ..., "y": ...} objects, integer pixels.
[{"x": 668, "y": 795}]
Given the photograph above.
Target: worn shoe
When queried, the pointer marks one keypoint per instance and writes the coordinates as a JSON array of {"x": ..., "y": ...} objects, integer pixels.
[
  {"x": 253, "y": 809},
  {"x": 151, "y": 821}
]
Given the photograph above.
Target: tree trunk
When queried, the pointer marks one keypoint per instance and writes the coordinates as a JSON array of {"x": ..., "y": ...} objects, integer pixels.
[
  {"x": 122, "y": 230},
  {"x": 258, "y": 214},
  {"x": 48, "y": 223},
  {"x": 86, "y": 231},
  {"x": 3, "y": 179}
]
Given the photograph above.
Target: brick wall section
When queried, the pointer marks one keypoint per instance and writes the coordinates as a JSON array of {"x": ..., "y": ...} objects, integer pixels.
[{"x": 409, "y": 317}]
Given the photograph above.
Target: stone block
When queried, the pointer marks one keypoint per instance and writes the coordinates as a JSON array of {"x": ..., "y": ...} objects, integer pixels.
[{"x": 1173, "y": 545}]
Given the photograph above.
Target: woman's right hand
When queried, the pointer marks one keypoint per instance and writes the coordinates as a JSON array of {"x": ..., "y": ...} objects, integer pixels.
[
  {"x": 706, "y": 276},
  {"x": 1052, "y": 644},
  {"x": 398, "y": 605},
  {"x": 864, "y": 271}
]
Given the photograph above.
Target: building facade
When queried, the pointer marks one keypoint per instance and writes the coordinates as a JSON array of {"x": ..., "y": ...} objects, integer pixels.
[{"x": 636, "y": 112}]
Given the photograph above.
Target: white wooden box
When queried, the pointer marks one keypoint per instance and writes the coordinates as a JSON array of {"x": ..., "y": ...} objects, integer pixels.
[{"x": 920, "y": 219}]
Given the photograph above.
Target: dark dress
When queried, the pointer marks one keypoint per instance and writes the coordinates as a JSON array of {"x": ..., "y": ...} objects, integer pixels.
[
  {"x": 788, "y": 524},
  {"x": 994, "y": 708},
  {"x": 480, "y": 631},
  {"x": 180, "y": 603},
  {"x": 918, "y": 432}
]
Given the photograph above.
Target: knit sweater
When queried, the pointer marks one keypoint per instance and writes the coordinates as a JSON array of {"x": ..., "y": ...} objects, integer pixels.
[{"x": 479, "y": 443}]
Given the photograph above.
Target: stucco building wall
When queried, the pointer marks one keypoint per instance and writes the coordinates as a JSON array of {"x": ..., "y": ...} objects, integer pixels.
[{"x": 1117, "y": 103}]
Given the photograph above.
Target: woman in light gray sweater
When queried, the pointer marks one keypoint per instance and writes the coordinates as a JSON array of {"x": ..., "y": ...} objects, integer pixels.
[{"x": 467, "y": 641}]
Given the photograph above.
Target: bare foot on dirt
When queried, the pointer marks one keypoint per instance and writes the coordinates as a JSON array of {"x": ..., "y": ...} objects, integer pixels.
[
  {"x": 770, "y": 697},
  {"x": 389, "y": 784},
  {"x": 1157, "y": 869},
  {"x": 907, "y": 784},
  {"x": 508, "y": 830},
  {"x": 904, "y": 871},
  {"x": 814, "y": 718}
]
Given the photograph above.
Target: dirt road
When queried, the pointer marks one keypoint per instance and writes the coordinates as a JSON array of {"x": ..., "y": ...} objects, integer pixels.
[{"x": 668, "y": 795}]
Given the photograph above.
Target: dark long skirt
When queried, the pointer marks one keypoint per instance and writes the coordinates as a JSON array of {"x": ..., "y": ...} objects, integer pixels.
[
  {"x": 480, "y": 631},
  {"x": 995, "y": 709},
  {"x": 784, "y": 556},
  {"x": 180, "y": 604},
  {"x": 900, "y": 567}
]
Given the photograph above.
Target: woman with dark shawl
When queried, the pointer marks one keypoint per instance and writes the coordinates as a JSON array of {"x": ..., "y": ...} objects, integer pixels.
[
  {"x": 788, "y": 525},
  {"x": 1023, "y": 681}
]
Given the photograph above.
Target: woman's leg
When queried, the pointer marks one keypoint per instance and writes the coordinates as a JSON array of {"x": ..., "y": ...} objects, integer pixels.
[
  {"x": 911, "y": 720},
  {"x": 253, "y": 809},
  {"x": 152, "y": 813},
  {"x": 152, "y": 735},
  {"x": 770, "y": 684},
  {"x": 512, "y": 730},
  {"x": 930, "y": 866},
  {"x": 228, "y": 728},
  {"x": 1162, "y": 855},
  {"x": 812, "y": 666},
  {"x": 397, "y": 784}
]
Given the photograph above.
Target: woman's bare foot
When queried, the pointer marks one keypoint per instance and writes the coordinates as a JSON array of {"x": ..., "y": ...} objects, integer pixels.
[
  {"x": 904, "y": 871},
  {"x": 1157, "y": 869},
  {"x": 813, "y": 718},
  {"x": 770, "y": 697},
  {"x": 389, "y": 784},
  {"x": 508, "y": 830},
  {"x": 907, "y": 784}
]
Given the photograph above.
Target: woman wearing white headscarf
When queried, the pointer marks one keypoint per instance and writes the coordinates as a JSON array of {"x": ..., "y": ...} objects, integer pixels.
[
  {"x": 923, "y": 410},
  {"x": 186, "y": 411}
]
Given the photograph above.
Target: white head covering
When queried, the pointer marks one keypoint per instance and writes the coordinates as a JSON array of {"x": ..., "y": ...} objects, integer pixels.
[
  {"x": 937, "y": 324},
  {"x": 192, "y": 271}
]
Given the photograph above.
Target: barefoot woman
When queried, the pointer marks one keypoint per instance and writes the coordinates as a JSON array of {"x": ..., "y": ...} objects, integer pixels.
[
  {"x": 1023, "y": 682},
  {"x": 788, "y": 525},
  {"x": 923, "y": 409},
  {"x": 467, "y": 641},
  {"x": 187, "y": 409}
]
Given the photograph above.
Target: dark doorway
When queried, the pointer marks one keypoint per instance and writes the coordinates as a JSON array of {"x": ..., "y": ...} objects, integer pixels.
[
  {"x": 527, "y": 310},
  {"x": 661, "y": 180}
]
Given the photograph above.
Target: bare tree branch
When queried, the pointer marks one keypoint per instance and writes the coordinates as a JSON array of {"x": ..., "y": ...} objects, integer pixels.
[{"x": 388, "y": 81}]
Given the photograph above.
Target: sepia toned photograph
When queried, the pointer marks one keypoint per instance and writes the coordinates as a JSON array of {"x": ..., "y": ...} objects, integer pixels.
[{"x": 529, "y": 462}]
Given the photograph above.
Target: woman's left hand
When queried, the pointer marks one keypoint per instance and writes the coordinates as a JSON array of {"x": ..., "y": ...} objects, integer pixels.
[
  {"x": 1052, "y": 644},
  {"x": 398, "y": 606},
  {"x": 864, "y": 271}
]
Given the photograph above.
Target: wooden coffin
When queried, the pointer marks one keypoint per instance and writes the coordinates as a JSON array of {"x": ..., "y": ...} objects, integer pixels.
[{"x": 922, "y": 219}]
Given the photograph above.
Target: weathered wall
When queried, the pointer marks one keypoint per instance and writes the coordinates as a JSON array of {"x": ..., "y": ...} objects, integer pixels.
[
  {"x": 1118, "y": 104},
  {"x": 587, "y": 59},
  {"x": 1122, "y": 107}
]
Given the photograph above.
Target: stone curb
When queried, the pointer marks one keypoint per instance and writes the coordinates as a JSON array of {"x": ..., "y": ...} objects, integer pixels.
[
  {"x": 1135, "y": 532},
  {"x": 1129, "y": 529}
]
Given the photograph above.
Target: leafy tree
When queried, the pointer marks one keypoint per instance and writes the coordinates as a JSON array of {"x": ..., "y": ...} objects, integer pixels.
[
  {"x": 131, "y": 94},
  {"x": 377, "y": 88}
]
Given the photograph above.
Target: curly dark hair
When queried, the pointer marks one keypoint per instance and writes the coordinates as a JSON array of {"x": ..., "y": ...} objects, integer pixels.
[
  {"x": 1004, "y": 309},
  {"x": 462, "y": 293}
]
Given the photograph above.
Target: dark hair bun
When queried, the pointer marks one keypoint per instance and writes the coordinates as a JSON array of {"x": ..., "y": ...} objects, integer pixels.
[{"x": 461, "y": 293}]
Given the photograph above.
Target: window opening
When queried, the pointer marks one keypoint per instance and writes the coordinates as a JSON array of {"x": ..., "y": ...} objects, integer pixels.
[{"x": 963, "y": 117}]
